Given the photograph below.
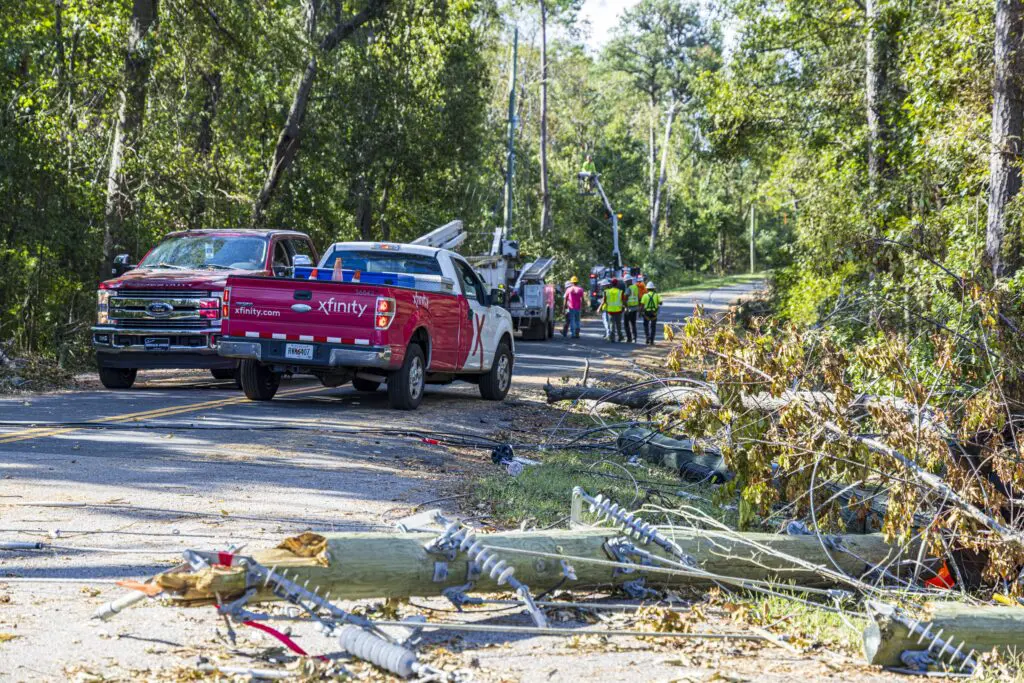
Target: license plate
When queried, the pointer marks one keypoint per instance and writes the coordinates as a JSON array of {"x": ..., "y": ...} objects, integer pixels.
[
  {"x": 298, "y": 351},
  {"x": 157, "y": 343}
]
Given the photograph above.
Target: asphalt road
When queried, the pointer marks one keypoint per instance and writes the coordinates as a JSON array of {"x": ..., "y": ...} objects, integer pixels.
[{"x": 125, "y": 480}]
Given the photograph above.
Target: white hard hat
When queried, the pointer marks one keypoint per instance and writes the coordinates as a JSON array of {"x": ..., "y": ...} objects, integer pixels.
[{"x": 650, "y": 285}]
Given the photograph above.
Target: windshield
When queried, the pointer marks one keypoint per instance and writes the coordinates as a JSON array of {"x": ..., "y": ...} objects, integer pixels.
[
  {"x": 384, "y": 262},
  {"x": 208, "y": 251}
]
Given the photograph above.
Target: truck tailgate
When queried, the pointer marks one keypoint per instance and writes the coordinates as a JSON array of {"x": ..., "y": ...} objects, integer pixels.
[{"x": 303, "y": 310}]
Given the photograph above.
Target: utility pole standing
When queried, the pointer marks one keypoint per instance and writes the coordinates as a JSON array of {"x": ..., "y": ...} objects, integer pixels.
[
  {"x": 751, "y": 238},
  {"x": 511, "y": 156}
]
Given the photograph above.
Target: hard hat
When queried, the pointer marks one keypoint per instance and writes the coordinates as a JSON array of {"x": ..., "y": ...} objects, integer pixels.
[
  {"x": 650, "y": 285},
  {"x": 615, "y": 280},
  {"x": 629, "y": 278},
  {"x": 574, "y": 279}
]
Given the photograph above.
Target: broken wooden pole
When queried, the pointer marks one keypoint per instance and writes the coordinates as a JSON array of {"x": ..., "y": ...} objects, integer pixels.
[
  {"x": 977, "y": 628},
  {"x": 688, "y": 458},
  {"x": 352, "y": 566}
]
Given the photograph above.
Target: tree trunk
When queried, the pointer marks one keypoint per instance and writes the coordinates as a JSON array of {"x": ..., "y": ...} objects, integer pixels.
[
  {"x": 131, "y": 107},
  {"x": 287, "y": 142},
  {"x": 875, "y": 84},
  {"x": 652, "y": 157},
  {"x": 364, "y": 210},
  {"x": 662, "y": 176},
  {"x": 291, "y": 133},
  {"x": 1003, "y": 251},
  {"x": 545, "y": 195},
  {"x": 204, "y": 139}
]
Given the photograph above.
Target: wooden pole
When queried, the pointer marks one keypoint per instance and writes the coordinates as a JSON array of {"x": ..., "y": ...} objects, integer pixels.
[
  {"x": 751, "y": 238},
  {"x": 352, "y": 566},
  {"x": 979, "y": 628}
]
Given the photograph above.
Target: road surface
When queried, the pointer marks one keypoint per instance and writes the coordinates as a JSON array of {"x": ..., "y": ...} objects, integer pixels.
[{"x": 125, "y": 480}]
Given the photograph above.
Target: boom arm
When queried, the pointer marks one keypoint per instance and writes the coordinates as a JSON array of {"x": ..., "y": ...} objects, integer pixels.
[{"x": 616, "y": 255}]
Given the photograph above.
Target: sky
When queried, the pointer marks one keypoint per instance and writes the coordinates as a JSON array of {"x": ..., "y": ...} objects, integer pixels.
[{"x": 602, "y": 16}]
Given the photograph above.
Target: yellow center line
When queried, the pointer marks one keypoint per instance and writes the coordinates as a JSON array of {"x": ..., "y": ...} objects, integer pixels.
[{"x": 45, "y": 432}]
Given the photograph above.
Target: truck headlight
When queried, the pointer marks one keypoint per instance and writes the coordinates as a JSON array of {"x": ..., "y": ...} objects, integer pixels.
[{"x": 102, "y": 306}]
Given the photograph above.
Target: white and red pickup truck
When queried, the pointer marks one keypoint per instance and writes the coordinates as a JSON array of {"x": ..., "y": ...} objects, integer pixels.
[{"x": 395, "y": 314}]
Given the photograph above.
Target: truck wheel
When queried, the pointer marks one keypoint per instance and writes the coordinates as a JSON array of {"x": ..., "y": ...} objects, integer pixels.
[
  {"x": 551, "y": 324},
  {"x": 118, "y": 378},
  {"x": 405, "y": 385},
  {"x": 496, "y": 382},
  {"x": 258, "y": 382},
  {"x": 367, "y": 385},
  {"x": 223, "y": 373}
]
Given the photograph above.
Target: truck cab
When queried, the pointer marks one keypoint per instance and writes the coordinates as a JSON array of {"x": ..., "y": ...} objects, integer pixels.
[{"x": 165, "y": 312}]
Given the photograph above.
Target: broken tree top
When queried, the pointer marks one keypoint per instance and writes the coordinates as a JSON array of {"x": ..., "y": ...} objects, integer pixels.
[{"x": 353, "y": 566}]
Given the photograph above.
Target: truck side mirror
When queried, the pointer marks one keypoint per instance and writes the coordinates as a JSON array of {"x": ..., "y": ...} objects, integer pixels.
[
  {"x": 496, "y": 297},
  {"x": 122, "y": 264}
]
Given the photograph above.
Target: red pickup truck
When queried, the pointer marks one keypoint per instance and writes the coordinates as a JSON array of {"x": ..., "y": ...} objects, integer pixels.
[
  {"x": 395, "y": 314},
  {"x": 165, "y": 312}
]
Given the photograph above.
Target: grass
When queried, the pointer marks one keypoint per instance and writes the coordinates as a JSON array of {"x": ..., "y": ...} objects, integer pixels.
[
  {"x": 543, "y": 493},
  {"x": 714, "y": 282},
  {"x": 805, "y": 625}
]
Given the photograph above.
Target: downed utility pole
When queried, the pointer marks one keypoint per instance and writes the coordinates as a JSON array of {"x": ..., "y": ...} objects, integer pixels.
[
  {"x": 950, "y": 633},
  {"x": 353, "y": 566}
]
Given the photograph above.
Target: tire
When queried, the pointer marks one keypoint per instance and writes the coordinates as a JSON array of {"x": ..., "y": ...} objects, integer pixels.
[
  {"x": 495, "y": 383},
  {"x": 406, "y": 385},
  {"x": 223, "y": 373},
  {"x": 118, "y": 378},
  {"x": 533, "y": 331},
  {"x": 258, "y": 382},
  {"x": 367, "y": 385},
  {"x": 551, "y": 324}
]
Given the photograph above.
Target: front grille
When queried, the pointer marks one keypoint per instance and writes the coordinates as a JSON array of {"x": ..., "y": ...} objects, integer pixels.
[
  {"x": 161, "y": 293},
  {"x": 151, "y": 323},
  {"x": 170, "y": 310}
]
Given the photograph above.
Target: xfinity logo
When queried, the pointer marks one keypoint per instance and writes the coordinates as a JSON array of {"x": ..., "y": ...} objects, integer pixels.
[{"x": 332, "y": 306}]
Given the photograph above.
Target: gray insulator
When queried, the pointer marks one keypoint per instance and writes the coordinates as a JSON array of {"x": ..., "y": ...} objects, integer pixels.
[{"x": 374, "y": 649}]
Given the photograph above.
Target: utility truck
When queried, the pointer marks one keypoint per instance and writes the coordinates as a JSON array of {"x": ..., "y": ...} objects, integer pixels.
[
  {"x": 165, "y": 312},
  {"x": 371, "y": 313}
]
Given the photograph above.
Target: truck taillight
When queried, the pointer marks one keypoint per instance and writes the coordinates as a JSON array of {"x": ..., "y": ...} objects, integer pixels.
[
  {"x": 102, "y": 306},
  {"x": 209, "y": 309},
  {"x": 385, "y": 312},
  {"x": 225, "y": 300}
]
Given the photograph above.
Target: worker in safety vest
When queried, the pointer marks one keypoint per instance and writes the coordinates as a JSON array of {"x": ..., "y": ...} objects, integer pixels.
[
  {"x": 602, "y": 285},
  {"x": 613, "y": 304},
  {"x": 588, "y": 171},
  {"x": 632, "y": 308},
  {"x": 573, "y": 307},
  {"x": 640, "y": 285},
  {"x": 650, "y": 304}
]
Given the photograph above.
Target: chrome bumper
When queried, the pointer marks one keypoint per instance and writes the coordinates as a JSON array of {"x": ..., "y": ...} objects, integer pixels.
[
  {"x": 104, "y": 339},
  {"x": 272, "y": 351}
]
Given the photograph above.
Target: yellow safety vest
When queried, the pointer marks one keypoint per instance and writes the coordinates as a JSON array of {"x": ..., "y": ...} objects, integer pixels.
[
  {"x": 634, "y": 296},
  {"x": 613, "y": 299}
]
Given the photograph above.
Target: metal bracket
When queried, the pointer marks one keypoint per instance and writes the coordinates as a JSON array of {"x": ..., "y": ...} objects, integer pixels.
[{"x": 458, "y": 597}]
